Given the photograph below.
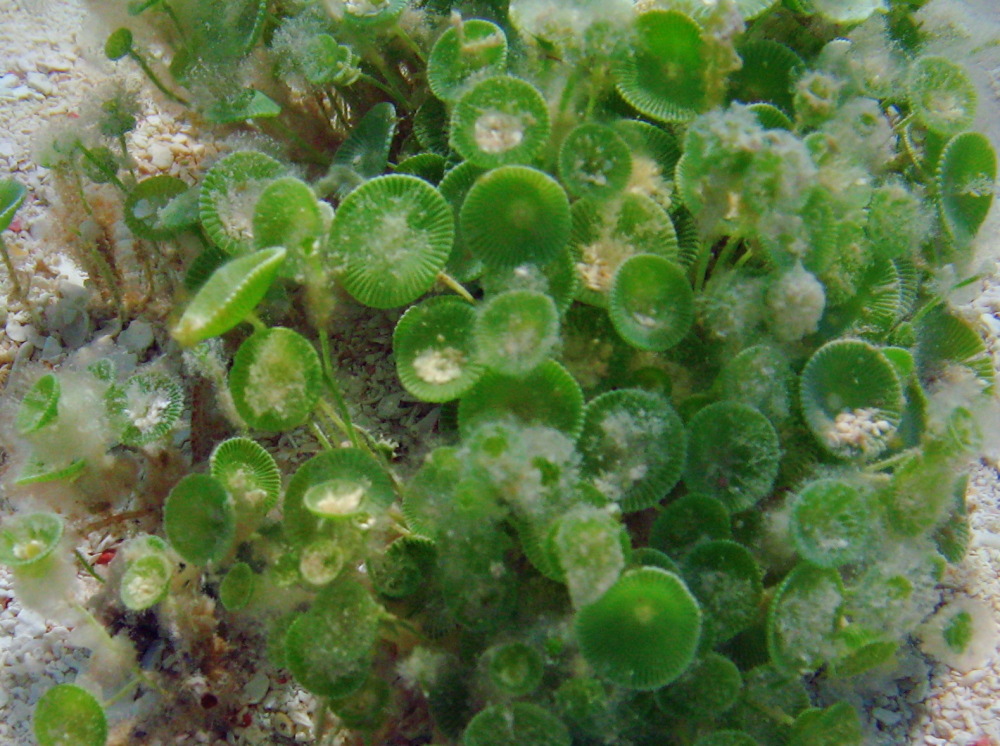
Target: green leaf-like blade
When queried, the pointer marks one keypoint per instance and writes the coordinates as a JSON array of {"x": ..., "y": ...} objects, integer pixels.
[
  {"x": 12, "y": 194},
  {"x": 233, "y": 290}
]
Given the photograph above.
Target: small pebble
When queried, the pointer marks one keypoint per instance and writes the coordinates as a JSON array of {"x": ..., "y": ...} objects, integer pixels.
[
  {"x": 160, "y": 155},
  {"x": 256, "y": 688},
  {"x": 40, "y": 83}
]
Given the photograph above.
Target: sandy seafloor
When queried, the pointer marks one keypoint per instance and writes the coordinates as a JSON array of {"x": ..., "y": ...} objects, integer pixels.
[{"x": 51, "y": 64}]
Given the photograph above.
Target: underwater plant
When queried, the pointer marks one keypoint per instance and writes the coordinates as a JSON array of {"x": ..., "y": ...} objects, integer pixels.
[{"x": 674, "y": 278}]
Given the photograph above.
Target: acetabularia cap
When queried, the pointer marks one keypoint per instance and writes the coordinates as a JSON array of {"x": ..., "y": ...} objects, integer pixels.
[{"x": 643, "y": 632}]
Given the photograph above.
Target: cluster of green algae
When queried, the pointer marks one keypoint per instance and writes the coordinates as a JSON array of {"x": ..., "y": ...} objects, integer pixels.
[{"x": 706, "y": 411}]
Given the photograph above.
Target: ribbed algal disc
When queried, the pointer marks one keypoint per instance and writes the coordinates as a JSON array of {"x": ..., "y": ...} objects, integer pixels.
[
  {"x": 500, "y": 121},
  {"x": 29, "y": 538},
  {"x": 145, "y": 202},
  {"x": 335, "y": 484},
  {"x": 664, "y": 77},
  {"x": 12, "y": 194},
  {"x": 651, "y": 302},
  {"x": 643, "y": 632},
  {"x": 726, "y": 580},
  {"x": 594, "y": 161},
  {"x": 965, "y": 181},
  {"x": 229, "y": 195},
  {"x": 392, "y": 236},
  {"x": 199, "y": 519},
  {"x": 761, "y": 377},
  {"x": 250, "y": 476},
  {"x": 434, "y": 348},
  {"x": 328, "y": 647},
  {"x": 288, "y": 214},
  {"x": 733, "y": 454},
  {"x": 514, "y": 668},
  {"x": 427, "y": 500},
  {"x": 515, "y": 331},
  {"x": 521, "y": 723},
  {"x": 803, "y": 617},
  {"x": 228, "y": 294},
  {"x": 68, "y": 714},
  {"x": 276, "y": 379},
  {"x": 633, "y": 447},
  {"x": 945, "y": 342},
  {"x": 515, "y": 215},
  {"x": 366, "y": 15},
  {"x": 454, "y": 186},
  {"x": 464, "y": 53},
  {"x": 708, "y": 688},
  {"x": 548, "y": 396},
  {"x": 831, "y": 523},
  {"x": 851, "y": 398},
  {"x": 941, "y": 94},
  {"x": 655, "y": 153},
  {"x": 771, "y": 117},
  {"x": 40, "y": 405},
  {"x": 687, "y": 522},
  {"x": 768, "y": 70},
  {"x": 146, "y": 581},
  {"x": 605, "y": 234}
]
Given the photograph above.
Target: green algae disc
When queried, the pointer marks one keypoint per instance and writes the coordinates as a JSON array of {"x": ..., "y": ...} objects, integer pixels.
[
  {"x": 664, "y": 77},
  {"x": 515, "y": 215},
  {"x": 643, "y": 632},
  {"x": 392, "y": 236}
]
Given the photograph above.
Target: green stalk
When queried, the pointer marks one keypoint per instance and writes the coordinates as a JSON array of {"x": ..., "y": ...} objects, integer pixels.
[
  {"x": 408, "y": 42},
  {"x": 18, "y": 289},
  {"x": 727, "y": 251},
  {"x": 343, "y": 413},
  {"x": 155, "y": 80},
  {"x": 108, "y": 276},
  {"x": 386, "y": 88},
  {"x": 87, "y": 566},
  {"x": 450, "y": 282},
  {"x": 112, "y": 177},
  {"x": 254, "y": 320},
  {"x": 321, "y": 436},
  {"x": 701, "y": 266}
]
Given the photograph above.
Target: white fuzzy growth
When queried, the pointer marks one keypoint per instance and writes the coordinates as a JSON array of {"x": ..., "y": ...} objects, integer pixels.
[
  {"x": 496, "y": 132},
  {"x": 145, "y": 409},
  {"x": 630, "y": 444},
  {"x": 143, "y": 588},
  {"x": 804, "y": 622},
  {"x": 422, "y": 668},
  {"x": 523, "y": 472},
  {"x": 439, "y": 366},
  {"x": 273, "y": 384},
  {"x": 365, "y": 7},
  {"x": 82, "y": 430},
  {"x": 862, "y": 428},
  {"x": 562, "y": 20},
  {"x": 27, "y": 550},
  {"x": 242, "y": 485},
  {"x": 648, "y": 180},
  {"x": 796, "y": 302},
  {"x": 339, "y": 497},
  {"x": 321, "y": 562},
  {"x": 599, "y": 260},
  {"x": 590, "y": 553},
  {"x": 235, "y": 208},
  {"x": 979, "y": 648}
]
